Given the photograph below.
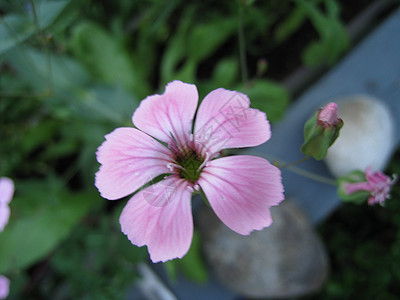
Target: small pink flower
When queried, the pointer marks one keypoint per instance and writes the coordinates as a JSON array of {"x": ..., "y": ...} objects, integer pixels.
[
  {"x": 328, "y": 115},
  {"x": 4, "y": 287},
  {"x": 6, "y": 194},
  {"x": 377, "y": 184},
  {"x": 180, "y": 155}
]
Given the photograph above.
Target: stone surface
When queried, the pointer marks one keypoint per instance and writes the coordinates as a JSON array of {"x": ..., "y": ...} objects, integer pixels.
[
  {"x": 366, "y": 138},
  {"x": 285, "y": 260}
]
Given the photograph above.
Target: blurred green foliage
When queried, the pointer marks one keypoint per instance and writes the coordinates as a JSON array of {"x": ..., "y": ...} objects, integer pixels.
[{"x": 71, "y": 71}]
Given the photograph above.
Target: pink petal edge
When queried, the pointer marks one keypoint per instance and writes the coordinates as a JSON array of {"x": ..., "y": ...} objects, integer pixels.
[
  {"x": 168, "y": 114},
  {"x": 6, "y": 190},
  {"x": 4, "y": 287},
  {"x": 241, "y": 189},
  {"x": 4, "y": 216},
  {"x": 160, "y": 217},
  {"x": 130, "y": 159},
  {"x": 224, "y": 120}
]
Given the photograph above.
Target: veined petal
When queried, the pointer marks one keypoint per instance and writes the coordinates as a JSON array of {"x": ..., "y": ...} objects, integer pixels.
[
  {"x": 241, "y": 189},
  {"x": 160, "y": 217},
  {"x": 224, "y": 120},
  {"x": 6, "y": 190},
  {"x": 169, "y": 114},
  {"x": 129, "y": 159},
  {"x": 4, "y": 216}
]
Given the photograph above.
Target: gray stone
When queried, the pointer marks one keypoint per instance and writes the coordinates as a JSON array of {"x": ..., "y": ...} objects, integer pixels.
[
  {"x": 285, "y": 260},
  {"x": 366, "y": 138}
]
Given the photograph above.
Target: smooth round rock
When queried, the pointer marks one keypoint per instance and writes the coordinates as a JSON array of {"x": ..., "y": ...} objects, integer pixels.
[
  {"x": 366, "y": 138},
  {"x": 286, "y": 259}
]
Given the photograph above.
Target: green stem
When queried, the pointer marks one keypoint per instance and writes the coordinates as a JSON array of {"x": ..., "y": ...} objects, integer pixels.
[
  {"x": 303, "y": 159},
  {"x": 44, "y": 42},
  {"x": 312, "y": 176}
]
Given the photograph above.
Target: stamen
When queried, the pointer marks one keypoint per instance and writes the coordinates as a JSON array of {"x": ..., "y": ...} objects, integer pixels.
[
  {"x": 196, "y": 187},
  {"x": 190, "y": 188},
  {"x": 175, "y": 145},
  {"x": 199, "y": 144},
  {"x": 204, "y": 162},
  {"x": 171, "y": 167}
]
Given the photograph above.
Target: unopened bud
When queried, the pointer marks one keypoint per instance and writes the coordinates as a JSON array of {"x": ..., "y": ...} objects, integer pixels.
[{"x": 321, "y": 131}]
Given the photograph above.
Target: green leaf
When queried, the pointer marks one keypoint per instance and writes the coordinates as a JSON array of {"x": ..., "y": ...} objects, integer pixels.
[
  {"x": 39, "y": 135},
  {"x": 35, "y": 231},
  {"x": 205, "y": 38},
  {"x": 171, "y": 268},
  {"x": 48, "y": 11},
  {"x": 16, "y": 28},
  {"x": 60, "y": 149},
  {"x": 333, "y": 36},
  {"x": 225, "y": 72},
  {"x": 191, "y": 44},
  {"x": 176, "y": 48},
  {"x": 105, "y": 103},
  {"x": 43, "y": 72},
  {"x": 192, "y": 264},
  {"x": 106, "y": 58},
  {"x": 289, "y": 25},
  {"x": 267, "y": 96},
  {"x": 314, "y": 54}
]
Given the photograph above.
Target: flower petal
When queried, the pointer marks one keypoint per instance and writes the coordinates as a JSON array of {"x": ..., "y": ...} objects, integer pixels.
[
  {"x": 4, "y": 287},
  {"x": 6, "y": 190},
  {"x": 4, "y": 216},
  {"x": 130, "y": 159},
  {"x": 160, "y": 217},
  {"x": 241, "y": 189},
  {"x": 224, "y": 120},
  {"x": 168, "y": 114}
]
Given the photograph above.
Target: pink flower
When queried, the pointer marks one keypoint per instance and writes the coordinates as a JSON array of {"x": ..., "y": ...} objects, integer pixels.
[
  {"x": 377, "y": 184},
  {"x": 6, "y": 193},
  {"x": 240, "y": 189},
  {"x": 328, "y": 115},
  {"x": 4, "y": 287}
]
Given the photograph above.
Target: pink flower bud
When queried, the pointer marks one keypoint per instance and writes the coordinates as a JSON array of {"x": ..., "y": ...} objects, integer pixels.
[
  {"x": 321, "y": 131},
  {"x": 328, "y": 115}
]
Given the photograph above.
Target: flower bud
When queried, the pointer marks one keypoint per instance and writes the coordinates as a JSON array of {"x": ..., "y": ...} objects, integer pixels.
[
  {"x": 321, "y": 131},
  {"x": 357, "y": 187}
]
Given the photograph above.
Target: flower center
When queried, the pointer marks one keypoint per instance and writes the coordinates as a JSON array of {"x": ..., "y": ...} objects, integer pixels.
[{"x": 191, "y": 164}]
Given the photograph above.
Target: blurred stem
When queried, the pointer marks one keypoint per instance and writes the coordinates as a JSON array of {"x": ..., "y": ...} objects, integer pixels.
[
  {"x": 311, "y": 175},
  {"x": 44, "y": 42},
  {"x": 242, "y": 46},
  {"x": 33, "y": 95},
  {"x": 287, "y": 165}
]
